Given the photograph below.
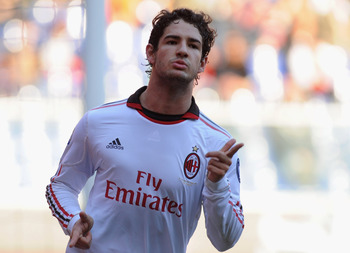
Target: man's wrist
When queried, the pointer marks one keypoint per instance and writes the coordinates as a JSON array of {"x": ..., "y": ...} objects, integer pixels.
[
  {"x": 72, "y": 222},
  {"x": 218, "y": 186}
]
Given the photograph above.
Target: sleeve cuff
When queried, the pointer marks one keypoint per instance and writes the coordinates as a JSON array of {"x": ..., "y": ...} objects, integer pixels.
[
  {"x": 72, "y": 222},
  {"x": 219, "y": 186}
]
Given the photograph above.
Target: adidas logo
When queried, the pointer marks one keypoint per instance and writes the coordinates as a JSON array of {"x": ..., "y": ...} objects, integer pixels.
[{"x": 115, "y": 144}]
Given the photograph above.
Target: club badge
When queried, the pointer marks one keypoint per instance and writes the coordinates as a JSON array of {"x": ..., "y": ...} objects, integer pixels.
[{"x": 192, "y": 164}]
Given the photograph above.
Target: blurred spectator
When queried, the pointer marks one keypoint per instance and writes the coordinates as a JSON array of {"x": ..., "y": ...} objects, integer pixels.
[{"x": 290, "y": 38}]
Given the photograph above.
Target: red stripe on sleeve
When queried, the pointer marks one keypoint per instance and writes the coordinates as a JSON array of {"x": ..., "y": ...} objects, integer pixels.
[
  {"x": 108, "y": 105},
  {"x": 212, "y": 127},
  {"x": 239, "y": 219},
  {"x": 58, "y": 203},
  {"x": 59, "y": 220}
]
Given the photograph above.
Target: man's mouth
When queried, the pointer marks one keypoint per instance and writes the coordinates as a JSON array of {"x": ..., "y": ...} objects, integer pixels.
[{"x": 180, "y": 64}]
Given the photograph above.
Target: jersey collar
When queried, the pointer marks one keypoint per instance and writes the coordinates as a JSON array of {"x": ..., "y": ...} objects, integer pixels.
[{"x": 134, "y": 102}]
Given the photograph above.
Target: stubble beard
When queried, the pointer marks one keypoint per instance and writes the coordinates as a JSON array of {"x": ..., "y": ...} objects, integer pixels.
[
  {"x": 177, "y": 79},
  {"x": 174, "y": 78}
]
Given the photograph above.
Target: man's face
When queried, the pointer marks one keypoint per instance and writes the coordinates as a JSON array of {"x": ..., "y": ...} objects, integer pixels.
[{"x": 179, "y": 53}]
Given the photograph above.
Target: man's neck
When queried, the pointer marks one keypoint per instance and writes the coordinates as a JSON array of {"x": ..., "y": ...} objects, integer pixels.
[{"x": 167, "y": 99}]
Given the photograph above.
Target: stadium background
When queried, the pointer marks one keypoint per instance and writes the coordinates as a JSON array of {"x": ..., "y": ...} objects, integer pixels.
[{"x": 278, "y": 79}]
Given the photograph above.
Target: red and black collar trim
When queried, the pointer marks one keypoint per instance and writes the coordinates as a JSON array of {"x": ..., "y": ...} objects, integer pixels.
[{"x": 134, "y": 102}]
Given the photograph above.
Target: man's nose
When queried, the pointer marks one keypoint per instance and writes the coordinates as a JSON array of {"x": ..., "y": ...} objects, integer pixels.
[{"x": 182, "y": 49}]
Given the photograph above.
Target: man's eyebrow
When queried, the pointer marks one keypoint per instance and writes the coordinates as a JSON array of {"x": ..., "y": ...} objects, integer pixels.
[
  {"x": 176, "y": 37},
  {"x": 195, "y": 40}
]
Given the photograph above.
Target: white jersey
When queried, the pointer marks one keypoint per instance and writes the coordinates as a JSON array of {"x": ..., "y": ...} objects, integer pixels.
[{"x": 150, "y": 180}]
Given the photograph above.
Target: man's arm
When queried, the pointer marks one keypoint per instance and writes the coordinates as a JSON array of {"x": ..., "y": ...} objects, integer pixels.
[
  {"x": 222, "y": 207},
  {"x": 74, "y": 170}
]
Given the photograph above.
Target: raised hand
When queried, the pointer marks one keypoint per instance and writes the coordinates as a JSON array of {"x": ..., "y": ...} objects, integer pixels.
[{"x": 221, "y": 160}]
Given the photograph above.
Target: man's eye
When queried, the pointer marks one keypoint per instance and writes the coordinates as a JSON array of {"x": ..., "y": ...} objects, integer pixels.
[{"x": 171, "y": 42}]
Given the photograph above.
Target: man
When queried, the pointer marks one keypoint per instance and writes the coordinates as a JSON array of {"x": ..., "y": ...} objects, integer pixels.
[{"x": 157, "y": 159}]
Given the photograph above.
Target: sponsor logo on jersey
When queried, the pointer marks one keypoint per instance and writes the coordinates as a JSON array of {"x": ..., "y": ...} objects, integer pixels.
[
  {"x": 153, "y": 200},
  {"x": 192, "y": 164},
  {"x": 115, "y": 144}
]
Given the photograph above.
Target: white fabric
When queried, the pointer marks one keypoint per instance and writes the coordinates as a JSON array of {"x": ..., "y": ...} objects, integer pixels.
[{"x": 142, "y": 200}]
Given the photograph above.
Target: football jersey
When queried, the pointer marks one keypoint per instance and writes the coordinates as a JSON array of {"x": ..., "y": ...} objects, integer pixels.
[{"x": 150, "y": 180}]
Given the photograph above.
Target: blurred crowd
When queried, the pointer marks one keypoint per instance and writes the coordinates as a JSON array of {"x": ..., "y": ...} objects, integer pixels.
[
  {"x": 285, "y": 50},
  {"x": 279, "y": 50}
]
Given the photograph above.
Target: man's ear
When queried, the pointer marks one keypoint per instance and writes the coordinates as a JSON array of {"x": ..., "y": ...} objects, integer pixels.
[
  {"x": 204, "y": 62},
  {"x": 150, "y": 54}
]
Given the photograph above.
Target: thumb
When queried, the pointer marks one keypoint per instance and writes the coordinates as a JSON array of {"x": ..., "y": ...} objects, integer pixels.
[
  {"x": 86, "y": 220},
  {"x": 83, "y": 216}
]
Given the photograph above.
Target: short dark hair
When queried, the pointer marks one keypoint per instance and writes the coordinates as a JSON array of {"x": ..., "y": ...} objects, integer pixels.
[{"x": 200, "y": 20}]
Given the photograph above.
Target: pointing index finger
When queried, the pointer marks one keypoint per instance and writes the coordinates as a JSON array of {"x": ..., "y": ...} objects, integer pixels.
[
  {"x": 228, "y": 145},
  {"x": 234, "y": 149},
  {"x": 74, "y": 239}
]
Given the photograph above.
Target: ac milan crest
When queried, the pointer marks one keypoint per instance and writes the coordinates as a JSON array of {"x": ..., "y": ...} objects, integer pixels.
[{"x": 191, "y": 165}]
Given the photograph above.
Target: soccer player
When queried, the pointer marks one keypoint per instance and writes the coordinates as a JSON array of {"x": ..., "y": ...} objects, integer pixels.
[{"x": 156, "y": 157}]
